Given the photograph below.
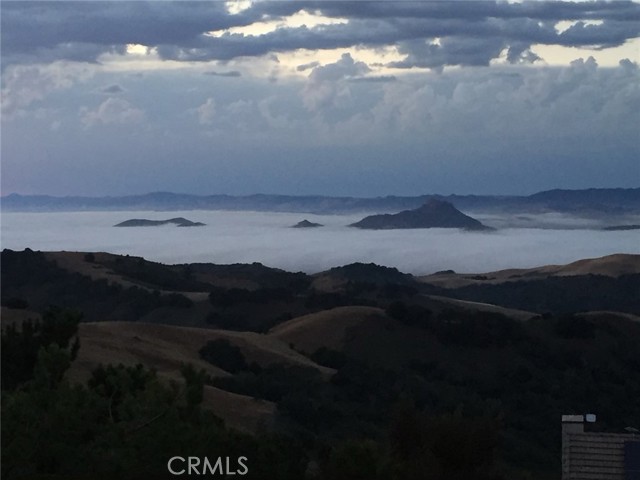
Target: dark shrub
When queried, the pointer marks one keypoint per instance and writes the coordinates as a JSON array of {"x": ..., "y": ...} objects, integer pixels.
[{"x": 223, "y": 354}]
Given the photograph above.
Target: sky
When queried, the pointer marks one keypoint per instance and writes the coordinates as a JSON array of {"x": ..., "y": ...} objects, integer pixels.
[{"x": 348, "y": 98}]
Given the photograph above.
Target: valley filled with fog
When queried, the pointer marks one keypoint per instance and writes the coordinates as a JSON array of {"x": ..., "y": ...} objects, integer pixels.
[{"x": 246, "y": 237}]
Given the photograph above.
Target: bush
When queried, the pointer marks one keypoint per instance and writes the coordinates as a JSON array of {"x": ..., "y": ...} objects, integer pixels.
[
  {"x": 223, "y": 354},
  {"x": 571, "y": 326},
  {"x": 15, "y": 303},
  {"x": 329, "y": 358}
]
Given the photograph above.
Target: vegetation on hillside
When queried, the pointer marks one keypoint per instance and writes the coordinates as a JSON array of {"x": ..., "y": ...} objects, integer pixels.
[{"x": 425, "y": 390}]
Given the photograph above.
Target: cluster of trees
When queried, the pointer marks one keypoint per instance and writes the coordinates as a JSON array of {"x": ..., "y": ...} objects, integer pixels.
[
  {"x": 560, "y": 295},
  {"x": 29, "y": 271},
  {"x": 125, "y": 422},
  {"x": 363, "y": 424},
  {"x": 228, "y": 297},
  {"x": 428, "y": 419},
  {"x": 21, "y": 344},
  {"x": 224, "y": 354},
  {"x": 484, "y": 406},
  {"x": 556, "y": 364},
  {"x": 153, "y": 274},
  {"x": 465, "y": 328}
]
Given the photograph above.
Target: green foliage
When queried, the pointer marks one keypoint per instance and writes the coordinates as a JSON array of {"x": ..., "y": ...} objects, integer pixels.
[
  {"x": 22, "y": 344},
  {"x": 272, "y": 382},
  {"x": 220, "y": 297},
  {"x": 51, "y": 366},
  {"x": 326, "y": 300},
  {"x": 446, "y": 446},
  {"x": 15, "y": 303},
  {"x": 571, "y": 326},
  {"x": 29, "y": 271},
  {"x": 354, "y": 460},
  {"x": 223, "y": 354},
  {"x": 477, "y": 329},
  {"x": 178, "y": 277},
  {"x": 126, "y": 423},
  {"x": 472, "y": 390},
  {"x": 329, "y": 357},
  {"x": 560, "y": 295},
  {"x": 413, "y": 315}
]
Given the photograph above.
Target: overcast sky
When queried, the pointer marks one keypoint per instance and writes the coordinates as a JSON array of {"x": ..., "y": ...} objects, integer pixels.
[{"x": 335, "y": 98}]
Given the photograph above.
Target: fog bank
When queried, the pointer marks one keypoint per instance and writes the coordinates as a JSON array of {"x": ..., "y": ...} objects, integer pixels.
[{"x": 245, "y": 237}]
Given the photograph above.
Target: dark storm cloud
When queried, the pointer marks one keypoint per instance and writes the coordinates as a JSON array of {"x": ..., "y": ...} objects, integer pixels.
[
  {"x": 475, "y": 10},
  {"x": 470, "y": 33},
  {"x": 374, "y": 79},
  {"x": 231, "y": 74},
  {"x": 41, "y": 28},
  {"x": 112, "y": 89}
]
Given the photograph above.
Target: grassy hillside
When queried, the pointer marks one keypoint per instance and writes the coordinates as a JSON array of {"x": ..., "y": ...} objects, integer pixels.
[{"x": 358, "y": 372}]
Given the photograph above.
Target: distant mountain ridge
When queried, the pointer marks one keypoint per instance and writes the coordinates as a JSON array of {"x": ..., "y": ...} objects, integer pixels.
[
  {"x": 143, "y": 222},
  {"x": 597, "y": 201}
]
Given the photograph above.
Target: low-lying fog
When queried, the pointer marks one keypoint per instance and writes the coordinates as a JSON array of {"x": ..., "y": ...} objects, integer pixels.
[{"x": 245, "y": 237}]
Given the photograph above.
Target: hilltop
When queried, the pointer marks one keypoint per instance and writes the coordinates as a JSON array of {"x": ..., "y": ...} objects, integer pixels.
[
  {"x": 307, "y": 224},
  {"x": 433, "y": 214},
  {"x": 141, "y": 222}
]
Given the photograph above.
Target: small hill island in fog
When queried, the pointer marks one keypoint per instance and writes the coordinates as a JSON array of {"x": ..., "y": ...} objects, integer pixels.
[
  {"x": 306, "y": 224},
  {"x": 433, "y": 214},
  {"x": 141, "y": 222}
]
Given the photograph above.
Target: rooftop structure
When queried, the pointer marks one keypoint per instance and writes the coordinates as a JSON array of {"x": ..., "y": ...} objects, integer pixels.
[{"x": 598, "y": 456}]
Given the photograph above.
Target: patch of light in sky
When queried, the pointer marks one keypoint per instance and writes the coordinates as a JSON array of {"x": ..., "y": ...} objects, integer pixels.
[
  {"x": 565, "y": 25},
  {"x": 136, "y": 49},
  {"x": 610, "y": 57},
  {"x": 237, "y": 6},
  {"x": 297, "y": 20}
]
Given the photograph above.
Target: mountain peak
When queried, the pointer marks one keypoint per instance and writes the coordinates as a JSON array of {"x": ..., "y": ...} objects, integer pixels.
[{"x": 434, "y": 213}]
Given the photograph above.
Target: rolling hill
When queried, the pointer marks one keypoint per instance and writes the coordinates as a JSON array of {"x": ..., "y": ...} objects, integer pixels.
[{"x": 327, "y": 361}]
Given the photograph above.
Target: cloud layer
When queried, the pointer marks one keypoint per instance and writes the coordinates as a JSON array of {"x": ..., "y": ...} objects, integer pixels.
[
  {"x": 248, "y": 237},
  {"x": 430, "y": 34},
  {"x": 348, "y": 98}
]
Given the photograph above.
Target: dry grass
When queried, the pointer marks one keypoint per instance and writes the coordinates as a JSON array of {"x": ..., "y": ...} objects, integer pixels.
[
  {"x": 75, "y": 262},
  {"x": 599, "y": 315},
  {"x": 610, "y": 265},
  {"x": 241, "y": 412},
  {"x": 166, "y": 348},
  {"x": 520, "y": 315},
  {"x": 328, "y": 328},
  {"x": 9, "y": 316}
]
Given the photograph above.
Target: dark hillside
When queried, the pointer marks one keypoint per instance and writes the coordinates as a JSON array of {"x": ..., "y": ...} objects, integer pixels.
[
  {"x": 29, "y": 275},
  {"x": 364, "y": 368},
  {"x": 560, "y": 294}
]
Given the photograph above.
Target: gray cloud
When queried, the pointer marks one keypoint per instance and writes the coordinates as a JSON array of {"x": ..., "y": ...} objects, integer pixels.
[
  {"x": 471, "y": 33},
  {"x": 326, "y": 83},
  {"x": 112, "y": 89},
  {"x": 340, "y": 130},
  {"x": 374, "y": 79},
  {"x": 232, "y": 73},
  {"x": 307, "y": 66},
  {"x": 112, "y": 111}
]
